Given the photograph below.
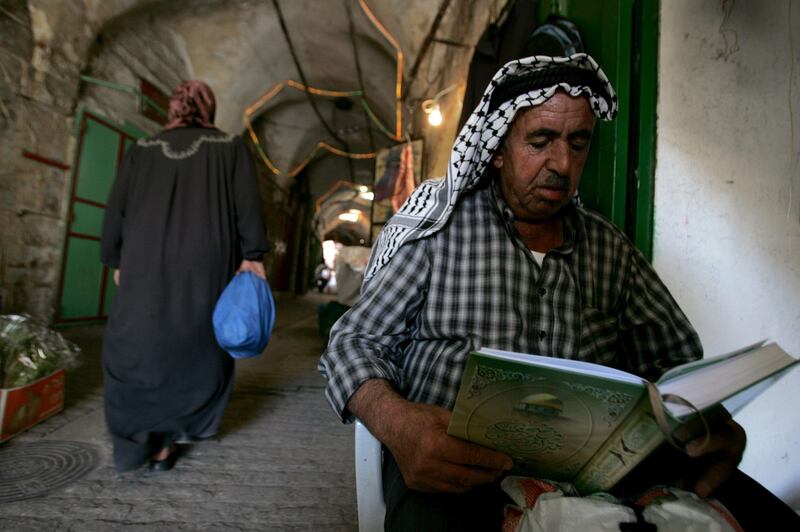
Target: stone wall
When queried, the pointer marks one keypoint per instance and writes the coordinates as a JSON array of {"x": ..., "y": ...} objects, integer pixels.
[
  {"x": 38, "y": 92},
  {"x": 45, "y": 46}
]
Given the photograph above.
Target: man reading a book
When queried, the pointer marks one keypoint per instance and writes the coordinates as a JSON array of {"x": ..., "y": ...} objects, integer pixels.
[{"x": 499, "y": 254}]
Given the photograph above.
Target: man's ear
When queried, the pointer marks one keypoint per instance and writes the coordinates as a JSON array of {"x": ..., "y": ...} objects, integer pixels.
[{"x": 497, "y": 159}]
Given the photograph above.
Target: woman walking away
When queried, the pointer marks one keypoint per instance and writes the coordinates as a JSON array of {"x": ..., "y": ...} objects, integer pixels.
[{"x": 183, "y": 216}]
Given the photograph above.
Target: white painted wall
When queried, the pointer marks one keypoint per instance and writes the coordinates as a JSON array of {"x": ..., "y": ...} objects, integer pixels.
[{"x": 727, "y": 198}]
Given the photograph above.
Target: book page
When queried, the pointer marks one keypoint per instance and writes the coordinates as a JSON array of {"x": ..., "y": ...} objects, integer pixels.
[
  {"x": 677, "y": 371},
  {"x": 714, "y": 383},
  {"x": 565, "y": 364}
]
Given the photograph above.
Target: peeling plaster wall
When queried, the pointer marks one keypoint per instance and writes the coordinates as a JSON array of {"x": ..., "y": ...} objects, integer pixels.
[
  {"x": 727, "y": 198},
  {"x": 245, "y": 59},
  {"x": 145, "y": 47}
]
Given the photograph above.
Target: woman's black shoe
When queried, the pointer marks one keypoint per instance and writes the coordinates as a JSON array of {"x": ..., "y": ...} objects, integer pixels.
[{"x": 167, "y": 463}]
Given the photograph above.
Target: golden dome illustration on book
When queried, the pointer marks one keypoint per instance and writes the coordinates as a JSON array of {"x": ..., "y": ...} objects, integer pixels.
[{"x": 543, "y": 404}]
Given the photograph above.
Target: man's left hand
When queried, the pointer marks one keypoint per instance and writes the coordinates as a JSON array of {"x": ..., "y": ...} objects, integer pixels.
[{"x": 721, "y": 455}]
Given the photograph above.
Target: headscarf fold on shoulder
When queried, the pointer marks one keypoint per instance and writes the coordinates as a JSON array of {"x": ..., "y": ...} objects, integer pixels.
[
  {"x": 192, "y": 104},
  {"x": 518, "y": 84}
]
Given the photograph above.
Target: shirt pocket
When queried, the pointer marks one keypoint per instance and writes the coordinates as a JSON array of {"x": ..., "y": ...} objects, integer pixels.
[{"x": 599, "y": 332}]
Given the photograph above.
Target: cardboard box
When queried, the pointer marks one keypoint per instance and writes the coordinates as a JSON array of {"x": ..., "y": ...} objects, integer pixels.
[{"x": 24, "y": 406}]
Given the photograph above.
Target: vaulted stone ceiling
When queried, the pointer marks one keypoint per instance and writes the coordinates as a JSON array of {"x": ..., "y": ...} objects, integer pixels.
[
  {"x": 241, "y": 50},
  {"x": 245, "y": 49}
]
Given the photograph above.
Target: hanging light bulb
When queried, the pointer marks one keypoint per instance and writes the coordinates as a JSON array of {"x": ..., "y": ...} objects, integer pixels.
[
  {"x": 432, "y": 109},
  {"x": 350, "y": 216},
  {"x": 435, "y": 116},
  {"x": 364, "y": 193}
]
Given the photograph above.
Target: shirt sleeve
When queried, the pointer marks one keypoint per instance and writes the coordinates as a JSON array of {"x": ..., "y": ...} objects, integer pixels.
[
  {"x": 249, "y": 217},
  {"x": 656, "y": 335},
  {"x": 367, "y": 342},
  {"x": 114, "y": 217}
]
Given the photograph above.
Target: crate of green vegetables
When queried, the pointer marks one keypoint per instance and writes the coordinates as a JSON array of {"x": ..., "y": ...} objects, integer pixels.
[{"x": 32, "y": 362}]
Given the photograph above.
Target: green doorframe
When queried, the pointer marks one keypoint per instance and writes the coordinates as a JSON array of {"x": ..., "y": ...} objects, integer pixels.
[
  {"x": 618, "y": 179},
  {"x": 88, "y": 298},
  {"x": 645, "y": 58}
]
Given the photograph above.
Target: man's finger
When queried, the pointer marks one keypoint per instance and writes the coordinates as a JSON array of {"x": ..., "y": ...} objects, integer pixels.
[
  {"x": 475, "y": 476},
  {"x": 468, "y": 477},
  {"x": 437, "y": 486},
  {"x": 729, "y": 438},
  {"x": 714, "y": 475},
  {"x": 476, "y": 455},
  {"x": 449, "y": 478}
]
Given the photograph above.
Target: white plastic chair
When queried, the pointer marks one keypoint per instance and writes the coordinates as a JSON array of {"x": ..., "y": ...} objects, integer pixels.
[{"x": 369, "y": 481}]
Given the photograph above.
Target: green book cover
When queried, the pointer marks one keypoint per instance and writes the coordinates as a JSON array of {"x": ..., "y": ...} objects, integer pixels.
[
  {"x": 551, "y": 417},
  {"x": 587, "y": 424}
]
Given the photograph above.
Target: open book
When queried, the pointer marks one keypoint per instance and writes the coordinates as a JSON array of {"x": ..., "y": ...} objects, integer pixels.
[{"x": 590, "y": 425}]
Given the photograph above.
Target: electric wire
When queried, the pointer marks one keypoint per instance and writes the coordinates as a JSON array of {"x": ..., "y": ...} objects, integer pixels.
[
  {"x": 359, "y": 74},
  {"x": 303, "y": 79},
  {"x": 398, "y": 88},
  {"x": 278, "y": 87},
  {"x": 437, "y": 21}
]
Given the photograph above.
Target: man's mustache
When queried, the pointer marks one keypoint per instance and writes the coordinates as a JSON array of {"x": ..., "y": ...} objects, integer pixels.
[{"x": 555, "y": 180}]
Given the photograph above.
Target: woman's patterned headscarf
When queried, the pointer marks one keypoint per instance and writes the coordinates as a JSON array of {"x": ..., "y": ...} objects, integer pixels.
[
  {"x": 518, "y": 84},
  {"x": 192, "y": 104}
]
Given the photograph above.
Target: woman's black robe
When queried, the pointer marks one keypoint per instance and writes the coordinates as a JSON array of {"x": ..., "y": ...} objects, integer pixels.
[{"x": 183, "y": 212}]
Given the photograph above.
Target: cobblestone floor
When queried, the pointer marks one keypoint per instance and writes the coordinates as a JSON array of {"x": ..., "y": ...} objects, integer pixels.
[{"x": 282, "y": 461}]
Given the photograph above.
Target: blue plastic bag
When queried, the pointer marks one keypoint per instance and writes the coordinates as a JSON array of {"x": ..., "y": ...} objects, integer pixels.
[{"x": 244, "y": 316}]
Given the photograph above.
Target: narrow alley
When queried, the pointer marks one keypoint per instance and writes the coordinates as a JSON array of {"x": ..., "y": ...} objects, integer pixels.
[
  {"x": 615, "y": 182},
  {"x": 282, "y": 462}
]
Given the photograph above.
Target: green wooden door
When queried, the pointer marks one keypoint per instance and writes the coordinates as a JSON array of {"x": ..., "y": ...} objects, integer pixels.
[
  {"x": 617, "y": 181},
  {"x": 87, "y": 288}
]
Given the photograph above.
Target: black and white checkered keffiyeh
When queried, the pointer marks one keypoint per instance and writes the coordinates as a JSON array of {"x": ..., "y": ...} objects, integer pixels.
[{"x": 518, "y": 84}]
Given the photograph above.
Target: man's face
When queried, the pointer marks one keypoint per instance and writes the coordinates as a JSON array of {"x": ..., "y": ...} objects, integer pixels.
[{"x": 543, "y": 156}]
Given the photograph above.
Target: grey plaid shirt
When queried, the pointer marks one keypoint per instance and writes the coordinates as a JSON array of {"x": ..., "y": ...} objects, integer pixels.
[{"x": 475, "y": 284}]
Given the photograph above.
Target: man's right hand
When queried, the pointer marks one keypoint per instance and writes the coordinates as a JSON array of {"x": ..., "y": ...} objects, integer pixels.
[
  {"x": 430, "y": 460},
  {"x": 416, "y": 434}
]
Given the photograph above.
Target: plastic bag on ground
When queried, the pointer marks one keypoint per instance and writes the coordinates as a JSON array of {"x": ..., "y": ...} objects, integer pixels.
[{"x": 29, "y": 350}]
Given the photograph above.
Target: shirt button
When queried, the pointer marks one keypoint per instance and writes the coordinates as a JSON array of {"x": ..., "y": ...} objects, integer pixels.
[
  {"x": 542, "y": 335},
  {"x": 542, "y": 292}
]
